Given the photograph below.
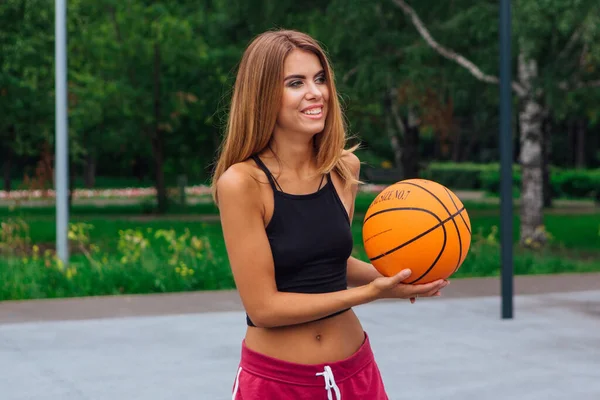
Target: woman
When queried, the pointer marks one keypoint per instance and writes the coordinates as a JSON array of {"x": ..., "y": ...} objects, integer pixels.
[{"x": 285, "y": 187}]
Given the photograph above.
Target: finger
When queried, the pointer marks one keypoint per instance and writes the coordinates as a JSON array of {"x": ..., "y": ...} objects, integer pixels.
[
  {"x": 431, "y": 293},
  {"x": 427, "y": 287},
  {"x": 442, "y": 284},
  {"x": 412, "y": 300},
  {"x": 402, "y": 275}
]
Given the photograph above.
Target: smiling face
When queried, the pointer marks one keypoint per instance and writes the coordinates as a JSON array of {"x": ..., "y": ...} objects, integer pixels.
[{"x": 305, "y": 98}]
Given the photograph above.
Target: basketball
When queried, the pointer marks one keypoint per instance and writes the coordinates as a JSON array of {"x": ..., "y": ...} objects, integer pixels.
[{"x": 417, "y": 224}]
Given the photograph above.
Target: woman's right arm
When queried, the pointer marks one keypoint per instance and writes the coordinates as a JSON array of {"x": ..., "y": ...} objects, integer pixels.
[{"x": 241, "y": 213}]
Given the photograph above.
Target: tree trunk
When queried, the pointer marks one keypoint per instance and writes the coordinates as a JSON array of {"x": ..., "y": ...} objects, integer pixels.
[
  {"x": 456, "y": 146},
  {"x": 473, "y": 139},
  {"x": 410, "y": 156},
  {"x": 8, "y": 160},
  {"x": 6, "y": 167},
  {"x": 407, "y": 155},
  {"x": 89, "y": 172},
  {"x": 546, "y": 152},
  {"x": 159, "y": 175},
  {"x": 72, "y": 177},
  {"x": 530, "y": 118},
  {"x": 157, "y": 138},
  {"x": 580, "y": 143}
]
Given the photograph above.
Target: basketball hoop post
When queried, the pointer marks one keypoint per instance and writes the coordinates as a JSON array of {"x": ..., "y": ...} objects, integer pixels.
[{"x": 506, "y": 206}]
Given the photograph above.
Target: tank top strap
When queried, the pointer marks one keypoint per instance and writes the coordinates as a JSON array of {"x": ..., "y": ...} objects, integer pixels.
[
  {"x": 274, "y": 184},
  {"x": 337, "y": 198},
  {"x": 323, "y": 178}
]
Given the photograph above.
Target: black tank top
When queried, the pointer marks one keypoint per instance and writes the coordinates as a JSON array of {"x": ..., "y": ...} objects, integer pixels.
[{"x": 310, "y": 238}]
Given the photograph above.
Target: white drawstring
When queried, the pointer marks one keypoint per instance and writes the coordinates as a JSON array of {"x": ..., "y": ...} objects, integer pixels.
[
  {"x": 330, "y": 383},
  {"x": 237, "y": 383}
]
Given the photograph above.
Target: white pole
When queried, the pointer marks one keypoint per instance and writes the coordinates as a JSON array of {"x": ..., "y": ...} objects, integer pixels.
[{"x": 62, "y": 145}]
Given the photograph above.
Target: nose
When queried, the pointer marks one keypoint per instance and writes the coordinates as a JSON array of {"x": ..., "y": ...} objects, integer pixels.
[{"x": 314, "y": 91}]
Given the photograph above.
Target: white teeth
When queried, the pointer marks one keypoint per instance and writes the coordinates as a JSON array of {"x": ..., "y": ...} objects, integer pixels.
[{"x": 313, "y": 111}]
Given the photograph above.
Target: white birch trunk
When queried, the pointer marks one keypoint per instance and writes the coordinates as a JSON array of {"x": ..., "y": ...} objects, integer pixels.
[{"x": 530, "y": 118}]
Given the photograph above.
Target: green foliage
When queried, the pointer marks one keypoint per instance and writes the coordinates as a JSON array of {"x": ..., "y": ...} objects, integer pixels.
[
  {"x": 484, "y": 259},
  {"x": 460, "y": 175},
  {"x": 565, "y": 183},
  {"x": 139, "y": 69},
  {"x": 120, "y": 256},
  {"x": 148, "y": 261},
  {"x": 26, "y": 75}
]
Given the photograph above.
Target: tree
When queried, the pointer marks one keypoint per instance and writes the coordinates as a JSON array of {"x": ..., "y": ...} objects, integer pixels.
[
  {"x": 533, "y": 29},
  {"x": 26, "y": 80}
]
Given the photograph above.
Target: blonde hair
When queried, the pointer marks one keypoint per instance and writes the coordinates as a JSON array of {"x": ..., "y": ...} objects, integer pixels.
[{"x": 257, "y": 94}]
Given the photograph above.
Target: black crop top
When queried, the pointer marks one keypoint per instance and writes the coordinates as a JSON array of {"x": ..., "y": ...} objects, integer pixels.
[{"x": 310, "y": 238}]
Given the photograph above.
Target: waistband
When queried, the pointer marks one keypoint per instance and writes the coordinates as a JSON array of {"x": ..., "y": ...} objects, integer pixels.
[{"x": 304, "y": 374}]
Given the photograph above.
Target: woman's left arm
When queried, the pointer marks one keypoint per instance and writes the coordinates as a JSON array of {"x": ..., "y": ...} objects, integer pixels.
[{"x": 360, "y": 273}]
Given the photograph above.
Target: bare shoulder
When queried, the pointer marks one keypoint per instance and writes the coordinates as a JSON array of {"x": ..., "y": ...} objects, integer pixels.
[{"x": 238, "y": 182}]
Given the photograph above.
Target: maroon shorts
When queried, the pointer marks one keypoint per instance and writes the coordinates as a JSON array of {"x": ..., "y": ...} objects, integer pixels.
[{"x": 260, "y": 377}]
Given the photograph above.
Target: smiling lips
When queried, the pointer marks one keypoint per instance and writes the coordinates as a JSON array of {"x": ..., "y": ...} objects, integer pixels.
[{"x": 313, "y": 112}]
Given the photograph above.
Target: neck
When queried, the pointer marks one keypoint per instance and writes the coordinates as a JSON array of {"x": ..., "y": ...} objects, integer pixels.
[{"x": 296, "y": 156}]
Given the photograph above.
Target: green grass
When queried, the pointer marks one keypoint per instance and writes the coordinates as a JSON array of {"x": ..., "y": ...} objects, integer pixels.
[
  {"x": 576, "y": 232},
  {"x": 123, "y": 266}
]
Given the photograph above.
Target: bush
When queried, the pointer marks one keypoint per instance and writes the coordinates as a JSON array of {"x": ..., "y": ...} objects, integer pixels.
[
  {"x": 484, "y": 259},
  {"x": 147, "y": 261},
  {"x": 466, "y": 176},
  {"x": 564, "y": 183}
]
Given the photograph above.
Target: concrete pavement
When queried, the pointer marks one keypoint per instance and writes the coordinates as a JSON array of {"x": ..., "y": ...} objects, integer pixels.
[{"x": 451, "y": 348}]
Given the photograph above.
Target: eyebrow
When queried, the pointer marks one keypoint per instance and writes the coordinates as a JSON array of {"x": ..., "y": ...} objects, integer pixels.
[{"x": 321, "y": 72}]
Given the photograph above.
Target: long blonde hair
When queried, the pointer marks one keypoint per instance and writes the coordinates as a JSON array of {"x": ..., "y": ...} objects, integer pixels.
[{"x": 256, "y": 99}]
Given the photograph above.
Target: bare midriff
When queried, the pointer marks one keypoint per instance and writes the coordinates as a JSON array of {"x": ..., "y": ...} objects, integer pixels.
[{"x": 325, "y": 341}]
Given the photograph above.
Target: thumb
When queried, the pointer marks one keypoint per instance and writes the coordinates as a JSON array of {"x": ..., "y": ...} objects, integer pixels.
[{"x": 402, "y": 275}]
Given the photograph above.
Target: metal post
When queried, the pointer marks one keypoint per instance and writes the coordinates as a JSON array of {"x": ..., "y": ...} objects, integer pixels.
[
  {"x": 62, "y": 143},
  {"x": 506, "y": 204}
]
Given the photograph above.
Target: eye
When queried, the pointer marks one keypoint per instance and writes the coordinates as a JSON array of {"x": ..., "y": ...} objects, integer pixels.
[
  {"x": 295, "y": 84},
  {"x": 321, "y": 79}
]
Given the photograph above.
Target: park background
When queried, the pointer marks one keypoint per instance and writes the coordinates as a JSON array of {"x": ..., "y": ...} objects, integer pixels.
[{"x": 149, "y": 84}]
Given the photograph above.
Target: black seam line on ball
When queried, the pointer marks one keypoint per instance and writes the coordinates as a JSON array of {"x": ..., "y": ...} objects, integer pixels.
[
  {"x": 377, "y": 234},
  {"x": 428, "y": 191},
  {"x": 396, "y": 209},
  {"x": 401, "y": 209},
  {"x": 457, "y": 232},
  {"x": 461, "y": 217},
  {"x": 440, "y": 223}
]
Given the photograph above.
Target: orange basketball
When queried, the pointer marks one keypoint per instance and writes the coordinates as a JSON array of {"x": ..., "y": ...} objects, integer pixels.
[{"x": 417, "y": 224}]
